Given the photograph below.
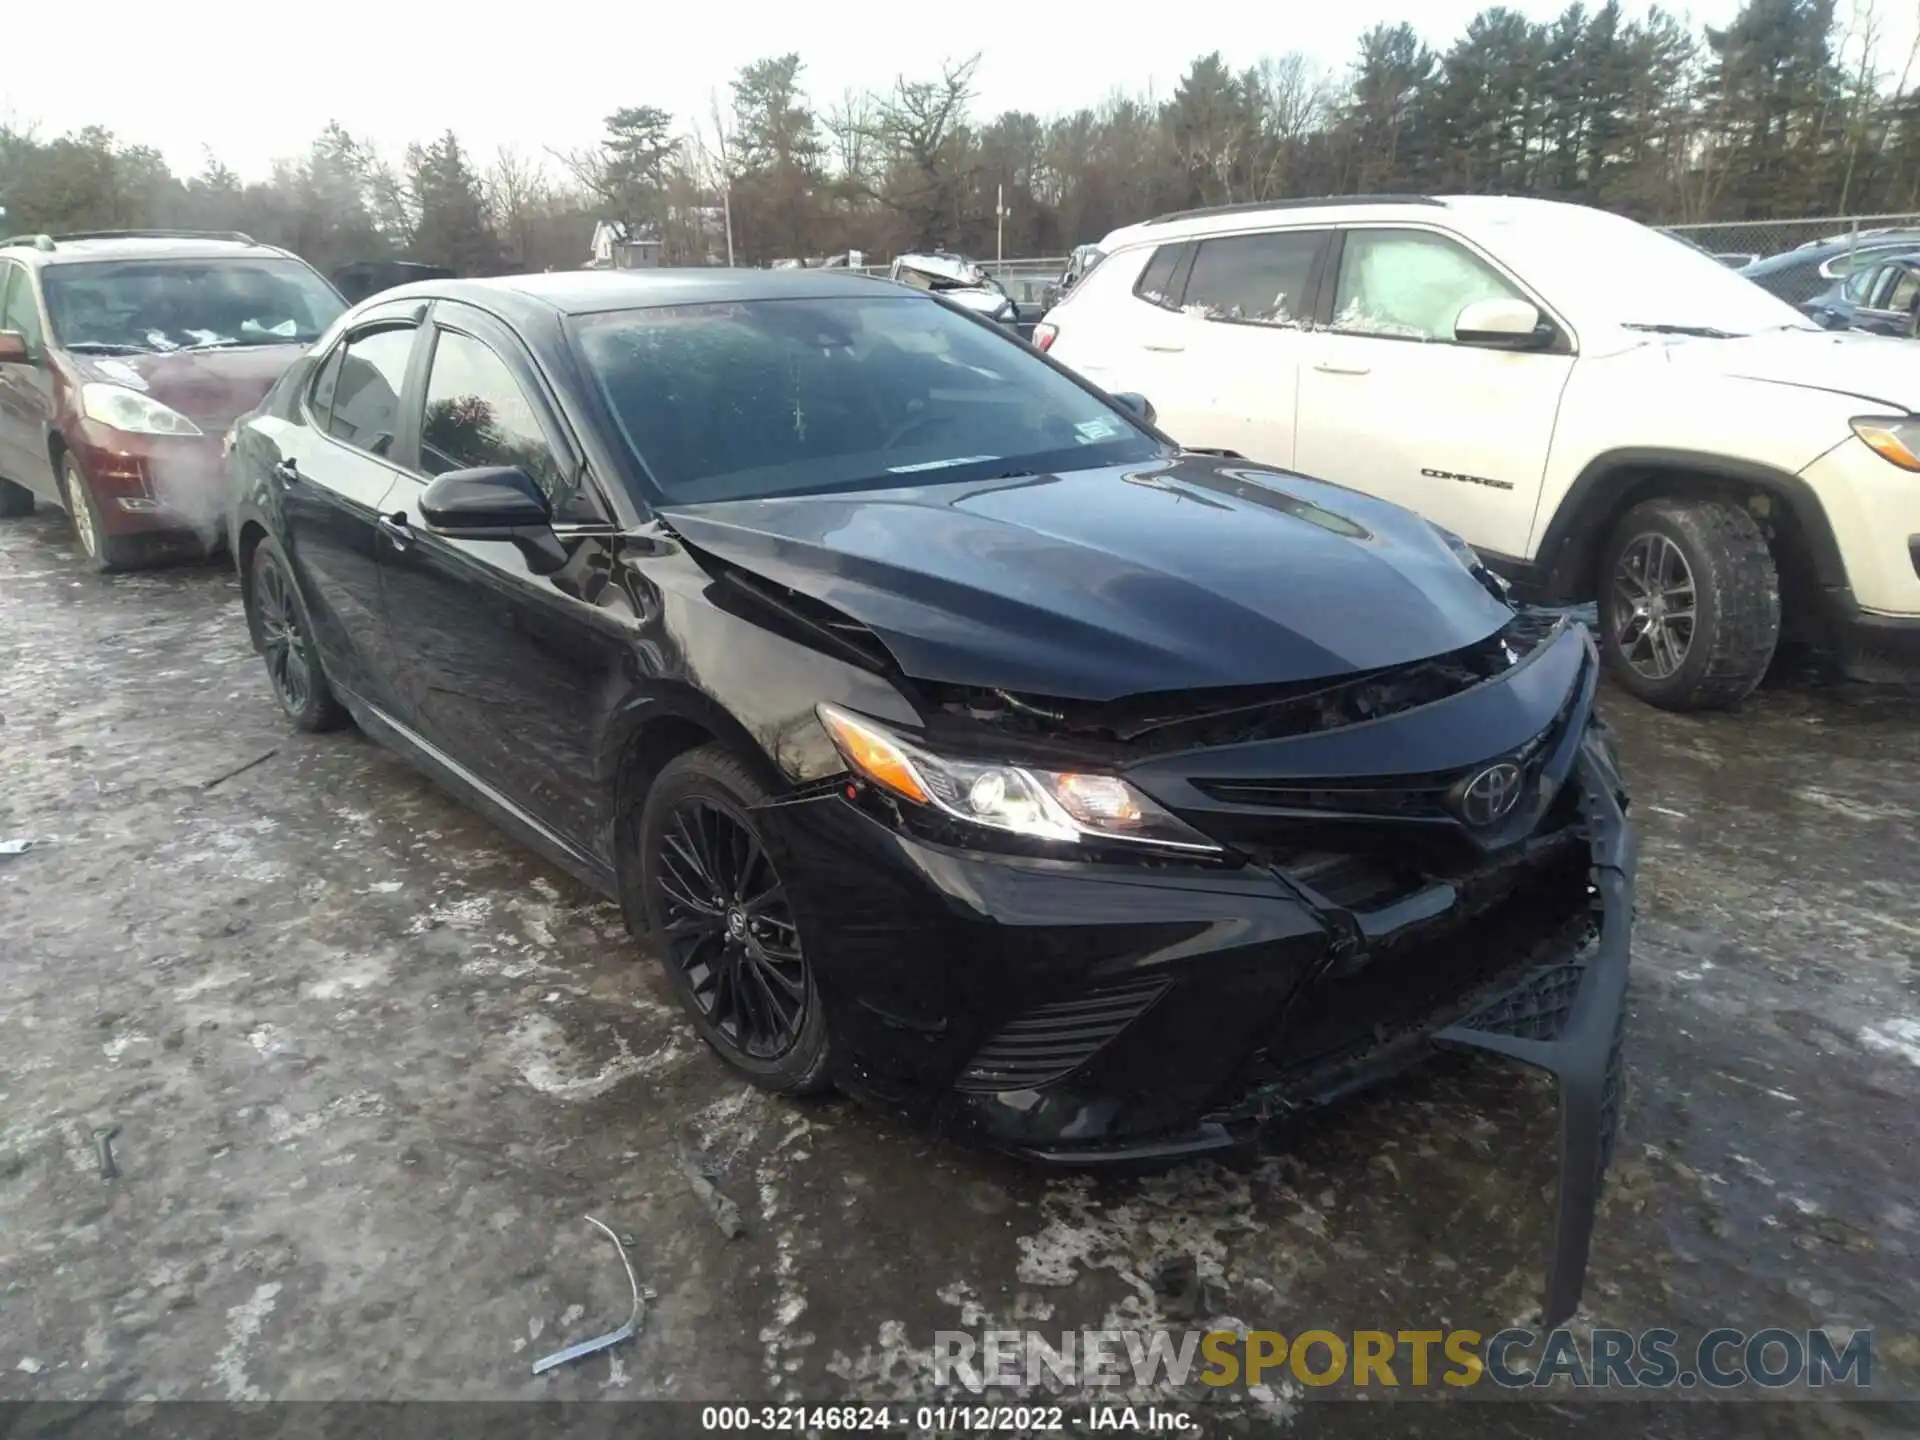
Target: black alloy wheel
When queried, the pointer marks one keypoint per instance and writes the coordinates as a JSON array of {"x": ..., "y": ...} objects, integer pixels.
[
  {"x": 730, "y": 931},
  {"x": 284, "y": 637},
  {"x": 723, "y": 918}
]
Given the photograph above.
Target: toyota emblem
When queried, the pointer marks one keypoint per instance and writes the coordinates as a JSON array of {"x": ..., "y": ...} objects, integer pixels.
[{"x": 1489, "y": 797}]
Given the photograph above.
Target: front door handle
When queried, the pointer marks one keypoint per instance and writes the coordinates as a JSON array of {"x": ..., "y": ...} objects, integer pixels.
[
  {"x": 1327, "y": 367},
  {"x": 1164, "y": 349},
  {"x": 399, "y": 534},
  {"x": 287, "y": 472}
]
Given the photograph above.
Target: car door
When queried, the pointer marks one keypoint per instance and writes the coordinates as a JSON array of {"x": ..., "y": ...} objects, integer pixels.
[
  {"x": 507, "y": 657},
  {"x": 1244, "y": 302},
  {"x": 26, "y": 391},
  {"x": 333, "y": 469},
  {"x": 1392, "y": 404},
  {"x": 1890, "y": 304}
]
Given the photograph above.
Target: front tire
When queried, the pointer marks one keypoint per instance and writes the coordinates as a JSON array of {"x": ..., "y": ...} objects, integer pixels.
[
  {"x": 105, "y": 553},
  {"x": 727, "y": 932},
  {"x": 1689, "y": 603},
  {"x": 283, "y": 635}
]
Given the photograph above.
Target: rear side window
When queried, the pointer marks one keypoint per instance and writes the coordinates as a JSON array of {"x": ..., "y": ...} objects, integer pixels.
[
  {"x": 1156, "y": 282},
  {"x": 365, "y": 409},
  {"x": 1906, "y": 290},
  {"x": 1264, "y": 279}
]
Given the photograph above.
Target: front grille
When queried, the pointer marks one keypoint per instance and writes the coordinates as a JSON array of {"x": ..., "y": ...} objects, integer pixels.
[{"x": 1055, "y": 1039}]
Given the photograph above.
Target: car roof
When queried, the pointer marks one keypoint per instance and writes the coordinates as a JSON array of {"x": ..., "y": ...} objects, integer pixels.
[
  {"x": 1815, "y": 254},
  {"x": 1331, "y": 210},
  {"x": 134, "y": 245},
  {"x": 587, "y": 292}
]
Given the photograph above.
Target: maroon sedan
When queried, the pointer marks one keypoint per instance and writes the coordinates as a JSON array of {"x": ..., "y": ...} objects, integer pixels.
[{"x": 124, "y": 357}]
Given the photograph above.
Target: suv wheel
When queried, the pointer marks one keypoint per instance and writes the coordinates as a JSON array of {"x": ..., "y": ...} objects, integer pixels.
[
  {"x": 104, "y": 552},
  {"x": 15, "y": 500},
  {"x": 1690, "y": 603},
  {"x": 283, "y": 635},
  {"x": 725, "y": 924}
]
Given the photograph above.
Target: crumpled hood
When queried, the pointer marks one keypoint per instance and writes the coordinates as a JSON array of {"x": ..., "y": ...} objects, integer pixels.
[
  {"x": 1170, "y": 575},
  {"x": 212, "y": 388},
  {"x": 1874, "y": 367}
]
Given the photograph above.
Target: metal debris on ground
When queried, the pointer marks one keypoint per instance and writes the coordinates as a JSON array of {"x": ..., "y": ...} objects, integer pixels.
[
  {"x": 725, "y": 1213},
  {"x": 612, "y": 1337},
  {"x": 225, "y": 776},
  {"x": 103, "y": 1143}
]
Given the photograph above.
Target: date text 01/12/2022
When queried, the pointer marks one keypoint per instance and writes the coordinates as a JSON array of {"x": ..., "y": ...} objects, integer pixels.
[{"x": 1009, "y": 1419}]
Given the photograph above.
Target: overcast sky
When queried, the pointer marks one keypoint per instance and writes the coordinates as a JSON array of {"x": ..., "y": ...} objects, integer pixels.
[{"x": 255, "y": 83}]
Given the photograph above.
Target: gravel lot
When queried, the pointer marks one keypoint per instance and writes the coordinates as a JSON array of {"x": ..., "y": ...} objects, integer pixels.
[{"x": 371, "y": 1063}]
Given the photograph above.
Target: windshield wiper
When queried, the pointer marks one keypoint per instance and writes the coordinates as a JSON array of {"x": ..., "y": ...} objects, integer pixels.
[
  {"x": 107, "y": 347},
  {"x": 1699, "y": 332}
]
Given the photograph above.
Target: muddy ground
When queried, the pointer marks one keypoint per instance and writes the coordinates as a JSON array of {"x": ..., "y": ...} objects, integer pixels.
[{"x": 371, "y": 1063}]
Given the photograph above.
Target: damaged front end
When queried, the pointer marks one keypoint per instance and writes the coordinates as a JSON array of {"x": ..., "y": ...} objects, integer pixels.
[{"x": 1431, "y": 854}]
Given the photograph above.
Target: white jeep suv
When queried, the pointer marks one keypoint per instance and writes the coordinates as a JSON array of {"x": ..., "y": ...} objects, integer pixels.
[{"x": 1603, "y": 412}]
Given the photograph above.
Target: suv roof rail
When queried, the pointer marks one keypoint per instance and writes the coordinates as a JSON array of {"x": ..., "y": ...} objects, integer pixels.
[
  {"x": 36, "y": 242},
  {"x": 234, "y": 235},
  {"x": 1303, "y": 202}
]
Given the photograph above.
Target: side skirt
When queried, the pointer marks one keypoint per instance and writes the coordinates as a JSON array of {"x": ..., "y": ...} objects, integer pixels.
[{"x": 476, "y": 793}]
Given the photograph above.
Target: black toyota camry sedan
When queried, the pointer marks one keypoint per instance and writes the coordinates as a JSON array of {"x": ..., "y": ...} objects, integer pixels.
[{"x": 955, "y": 737}]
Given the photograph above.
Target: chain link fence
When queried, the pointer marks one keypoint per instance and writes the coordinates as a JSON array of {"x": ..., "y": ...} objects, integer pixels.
[{"x": 1747, "y": 240}]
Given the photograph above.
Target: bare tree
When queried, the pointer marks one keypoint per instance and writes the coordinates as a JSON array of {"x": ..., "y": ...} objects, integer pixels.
[{"x": 517, "y": 193}]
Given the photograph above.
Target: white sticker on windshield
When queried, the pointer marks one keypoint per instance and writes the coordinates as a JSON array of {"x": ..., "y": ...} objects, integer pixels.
[
  {"x": 938, "y": 464},
  {"x": 1104, "y": 428}
]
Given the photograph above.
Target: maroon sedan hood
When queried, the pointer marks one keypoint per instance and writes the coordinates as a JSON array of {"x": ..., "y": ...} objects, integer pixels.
[{"x": 212, "y": 388}]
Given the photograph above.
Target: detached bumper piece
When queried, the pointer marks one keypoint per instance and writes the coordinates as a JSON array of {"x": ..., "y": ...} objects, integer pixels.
[{"x": 1567, "y": 1019}]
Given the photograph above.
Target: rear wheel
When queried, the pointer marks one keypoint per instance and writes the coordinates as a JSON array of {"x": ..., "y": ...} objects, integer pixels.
[
  {"x": 721, "y": 914},
  {"x": 15, "y": 500},
  {"x": 1690, "y": 605},
  {"x": 284, "y": 637}
]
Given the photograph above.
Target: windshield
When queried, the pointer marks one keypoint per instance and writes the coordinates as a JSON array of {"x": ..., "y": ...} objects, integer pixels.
[
  {"x": 130, "y": 306},
  {"x": 1606, "y": 270},
  {"x": 787, "y": 397}
]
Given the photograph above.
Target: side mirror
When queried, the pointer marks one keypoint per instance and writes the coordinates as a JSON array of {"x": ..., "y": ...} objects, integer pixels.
[
  {"x": 495, "y": 502},
  {"x": 1137, "y": 403},
  {"x": 1503, "y": 325},
  {"x": 14, "y": 349},
  {"x": 491, "y": 502}
]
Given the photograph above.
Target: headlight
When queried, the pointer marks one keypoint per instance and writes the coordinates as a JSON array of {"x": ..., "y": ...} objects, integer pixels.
[
  {"x": 132, "y": 412},
  {"x": 1042, "y": 804},
  {"x": 1894, "y": 438}
]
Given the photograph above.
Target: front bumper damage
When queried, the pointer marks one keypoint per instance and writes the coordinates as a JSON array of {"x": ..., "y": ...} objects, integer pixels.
[{"x": 1128, "y": 1015}]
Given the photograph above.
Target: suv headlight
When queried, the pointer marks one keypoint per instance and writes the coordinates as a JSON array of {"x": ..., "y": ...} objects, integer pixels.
[
  {"x": 132, "y": 412},
  {"x": 1894, "y": 438},
  {"x": 1057, "y": 805}
]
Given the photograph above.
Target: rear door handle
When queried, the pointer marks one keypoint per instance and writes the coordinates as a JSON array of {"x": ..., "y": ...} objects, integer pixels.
[
  {"x": 399, "y": 534},
  {"x": 287, "y": 472},
  {"x": 1164, "y": 349},
  {"x": 1327, "y": 367}
]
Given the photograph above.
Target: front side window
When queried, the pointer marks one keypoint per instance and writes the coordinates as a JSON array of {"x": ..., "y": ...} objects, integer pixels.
[
  {"x": 477, "y": 415},
  {"x": 1258, "y": 278},
  {"x": 134, "y": 306},
  {"x": 365, "y": 404},
  {"x": 18, "y": 313},
  {"x": 1904, "y": 291},
  {"x": 1410, "y": 284},
  {"x": 786, "y": 397}
]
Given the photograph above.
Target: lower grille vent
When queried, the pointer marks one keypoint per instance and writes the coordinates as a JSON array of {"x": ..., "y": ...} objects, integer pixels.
[{"x": 1056, "y": 1039}]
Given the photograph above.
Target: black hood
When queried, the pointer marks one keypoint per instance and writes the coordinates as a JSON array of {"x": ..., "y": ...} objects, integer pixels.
[{"x": 1174, "y": 575}]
